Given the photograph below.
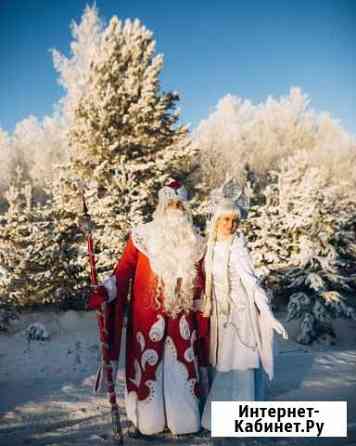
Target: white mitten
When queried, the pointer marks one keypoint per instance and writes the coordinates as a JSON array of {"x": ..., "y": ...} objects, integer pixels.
[
  {"x": 111, "y": 288},
  {"x": 278, "y": 327}
]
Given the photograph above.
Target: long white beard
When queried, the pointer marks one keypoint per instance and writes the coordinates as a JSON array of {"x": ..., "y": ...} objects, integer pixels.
[{"x": 174, "y": 249}]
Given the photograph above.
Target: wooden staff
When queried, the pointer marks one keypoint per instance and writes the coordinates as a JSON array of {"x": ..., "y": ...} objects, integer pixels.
[{"x": 107, "y": 369}]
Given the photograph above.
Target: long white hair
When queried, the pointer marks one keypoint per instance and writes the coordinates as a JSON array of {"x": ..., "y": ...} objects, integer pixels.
[{"x": 225, "y": 207}]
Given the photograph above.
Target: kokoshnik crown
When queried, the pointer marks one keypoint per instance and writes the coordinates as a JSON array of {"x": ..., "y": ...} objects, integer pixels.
[{"x": 230, "y": 192}]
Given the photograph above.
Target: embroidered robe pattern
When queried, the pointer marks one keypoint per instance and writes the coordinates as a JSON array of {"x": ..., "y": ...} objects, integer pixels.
[{"x": 162, "y": 353}]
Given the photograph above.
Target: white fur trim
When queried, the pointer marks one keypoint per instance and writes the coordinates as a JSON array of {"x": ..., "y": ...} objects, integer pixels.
[
  {"x": 139, "y": 236},
  {"x": 111, "y": 287},
  {"x": 138, "y": 374},
  {"x": 182, "y": 405},
  {"x": 148, "y": 415},
  {"x": 171, "y": 401}
]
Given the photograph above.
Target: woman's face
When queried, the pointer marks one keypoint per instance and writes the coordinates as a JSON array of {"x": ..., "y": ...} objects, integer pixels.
[{"x": 227, "y": 225}]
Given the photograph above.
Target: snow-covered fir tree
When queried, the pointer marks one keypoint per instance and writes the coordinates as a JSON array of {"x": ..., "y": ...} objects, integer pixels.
[
  {"x": 125, "y": 138},
  {"x": 303, "y": 240},
  {"x": 39, "y": 251},
  {"x": 35, "y": 145},
  {"x": 43, "y": 256},
  {"x": 74, "y": 70}
]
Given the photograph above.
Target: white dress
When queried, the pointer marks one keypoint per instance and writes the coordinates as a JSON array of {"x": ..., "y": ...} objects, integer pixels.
[
  {"x": 237, "y": 374},
  {"x": 236, "y": 338}
]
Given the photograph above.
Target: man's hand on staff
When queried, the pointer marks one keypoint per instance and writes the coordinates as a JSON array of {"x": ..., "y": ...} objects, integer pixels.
[{"x": 98, "y": 296}]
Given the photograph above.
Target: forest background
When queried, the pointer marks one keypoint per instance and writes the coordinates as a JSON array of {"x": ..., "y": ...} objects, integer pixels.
[{"x": 116, "y": 135}]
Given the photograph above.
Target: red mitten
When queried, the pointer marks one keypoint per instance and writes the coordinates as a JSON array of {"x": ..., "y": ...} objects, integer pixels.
[{"x": 97, "y": 297}]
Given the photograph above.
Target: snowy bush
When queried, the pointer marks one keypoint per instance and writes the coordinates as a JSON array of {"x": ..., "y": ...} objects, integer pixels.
[{"x": 36, "y": 332}]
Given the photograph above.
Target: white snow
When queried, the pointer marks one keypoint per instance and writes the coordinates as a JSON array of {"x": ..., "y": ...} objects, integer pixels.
[{"x": 46, "y": 387}]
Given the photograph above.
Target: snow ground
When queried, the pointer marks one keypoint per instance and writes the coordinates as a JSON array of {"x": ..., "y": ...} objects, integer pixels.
[{"x": 46, "y": 394}]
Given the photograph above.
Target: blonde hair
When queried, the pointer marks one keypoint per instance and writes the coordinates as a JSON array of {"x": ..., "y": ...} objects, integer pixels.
[{"x": 226, "y": 207}]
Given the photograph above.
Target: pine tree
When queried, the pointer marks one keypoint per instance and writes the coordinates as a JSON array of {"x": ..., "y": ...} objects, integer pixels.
[
  {"x": 300, "y": 239},
  {"x": 125, "y": 138},
  {"x": 74, "y": 70},
  {"x": 40, "y": 254}
]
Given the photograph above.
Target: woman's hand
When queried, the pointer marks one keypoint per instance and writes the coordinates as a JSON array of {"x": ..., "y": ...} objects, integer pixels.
[{"x": 278, "y": 327}]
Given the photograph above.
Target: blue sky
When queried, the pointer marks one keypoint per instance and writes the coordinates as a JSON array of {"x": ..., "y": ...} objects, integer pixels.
[{"x": 250, "y": 48}]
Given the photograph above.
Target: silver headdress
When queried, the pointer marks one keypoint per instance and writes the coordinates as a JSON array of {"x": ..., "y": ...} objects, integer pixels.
[{"x": 229, "y": 196}]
